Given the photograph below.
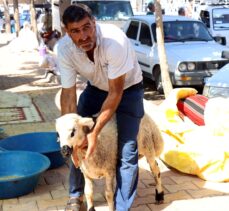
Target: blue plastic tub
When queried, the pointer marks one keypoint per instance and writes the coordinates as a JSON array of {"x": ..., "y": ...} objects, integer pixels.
[
  {"x": 42, "y": 142},
  {"x": 20, "y": 172}
]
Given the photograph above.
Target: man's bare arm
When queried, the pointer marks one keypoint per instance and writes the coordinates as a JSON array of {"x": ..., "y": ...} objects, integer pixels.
[
  {"x": 111, "y": 103},
  {"x": 109, "y": 107},
  {"x": 68, "y": 100}
]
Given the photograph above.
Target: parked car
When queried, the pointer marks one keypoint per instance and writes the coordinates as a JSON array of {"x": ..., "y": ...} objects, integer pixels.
[
  {"x": 216, "y": 18},
  {"x": 191, "y": 51},
  {"x": 218, "y": 84}
]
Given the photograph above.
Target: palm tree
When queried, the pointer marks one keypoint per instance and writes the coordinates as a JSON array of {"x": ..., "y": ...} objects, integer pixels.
[
  {"x": 7, "y": 16},
  {"x": 164, "y": 68},
  {"x": 16, "y": 16},
  {"x": 33, "y": 17}
]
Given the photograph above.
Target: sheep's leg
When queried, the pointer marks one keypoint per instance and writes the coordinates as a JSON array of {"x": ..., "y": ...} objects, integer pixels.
[
  {"x": 109, "y": 192},
  {"x": 88, "y": 191},
  {"x": 159, "y": 197}
]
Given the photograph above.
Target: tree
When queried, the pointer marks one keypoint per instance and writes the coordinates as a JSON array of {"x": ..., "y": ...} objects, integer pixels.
[
  {"x": 7, "y": 16},
  {"x": 16, "y": 16},
  {"x": 164, "y": 68},
  {"x": 33, "y": 17}
]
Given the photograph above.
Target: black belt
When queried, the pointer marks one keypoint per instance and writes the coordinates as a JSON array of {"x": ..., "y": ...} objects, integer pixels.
[{"x": 133, "y": 87}]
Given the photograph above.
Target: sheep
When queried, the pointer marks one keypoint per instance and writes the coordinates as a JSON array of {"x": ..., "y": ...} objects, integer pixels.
[{"x": 72, "y": 130}]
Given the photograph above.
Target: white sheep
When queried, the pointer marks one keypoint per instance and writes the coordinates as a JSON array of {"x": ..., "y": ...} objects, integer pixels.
[{"x": 72, "y": 130}]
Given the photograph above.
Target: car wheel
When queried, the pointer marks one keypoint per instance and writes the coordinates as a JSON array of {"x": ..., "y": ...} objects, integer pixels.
[{"x": 158, "y": 81}]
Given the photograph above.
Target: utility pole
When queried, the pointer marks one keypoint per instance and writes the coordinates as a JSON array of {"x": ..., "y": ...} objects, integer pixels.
[
  {"x": 16, "y": 17},
  {"x": 166, "y": 81},
  {"x": 33, "y": 18},
  {"x": 7, "y": 16}
]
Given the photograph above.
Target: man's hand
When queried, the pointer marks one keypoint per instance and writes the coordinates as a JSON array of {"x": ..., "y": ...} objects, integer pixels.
[
  {"x": 84, "y": 144},
  {"x": 75, "y": 159},
  {"x": 91, "y": 138}
]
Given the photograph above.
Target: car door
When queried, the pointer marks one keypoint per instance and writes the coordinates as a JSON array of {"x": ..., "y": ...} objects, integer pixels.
[
  {"x": 144, "y": 49},
  {"x": 132, "y": 32},
  {"x": 140, "y": 36}
]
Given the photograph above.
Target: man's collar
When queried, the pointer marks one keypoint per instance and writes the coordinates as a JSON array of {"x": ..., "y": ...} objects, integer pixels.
[{"x": 98, "y": 35}]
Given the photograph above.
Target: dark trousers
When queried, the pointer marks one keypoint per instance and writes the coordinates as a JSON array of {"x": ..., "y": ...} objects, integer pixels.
[{"x": 128, "y": 115}]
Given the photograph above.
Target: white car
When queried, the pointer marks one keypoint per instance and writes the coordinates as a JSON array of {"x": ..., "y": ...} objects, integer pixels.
[
  {"x": 216, "y": 19},
  {"x": 218, "y": 84},
  {"x": 191, "y": 51}
]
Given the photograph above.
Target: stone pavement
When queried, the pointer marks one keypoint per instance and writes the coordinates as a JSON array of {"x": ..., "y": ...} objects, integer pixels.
[{"x": 19, "y": 73}]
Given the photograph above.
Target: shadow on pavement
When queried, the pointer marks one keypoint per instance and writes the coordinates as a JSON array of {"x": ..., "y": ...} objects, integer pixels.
[
  {"x": 150, "y": 92},
  {"x": 4, "y": 44}
]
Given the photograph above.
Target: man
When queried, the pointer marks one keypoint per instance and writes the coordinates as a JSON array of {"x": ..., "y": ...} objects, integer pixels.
[
  {"x": 181, "y": 11},
  {"x": 104, "y": 56},
  {"x": 151, "y": 8},
  {"x": 1, "y": 23}
]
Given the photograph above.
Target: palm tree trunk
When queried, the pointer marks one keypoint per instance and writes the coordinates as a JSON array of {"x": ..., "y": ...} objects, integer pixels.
[
  {"x": 166, "y": 81},
  {"x": 7, "y": 16},
  {"x": 33, "y": 18},
  {"x": 16, "y": 17}
]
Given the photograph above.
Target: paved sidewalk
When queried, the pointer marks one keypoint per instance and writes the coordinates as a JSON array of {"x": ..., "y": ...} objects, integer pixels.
[{"x": 19, "y": 72}]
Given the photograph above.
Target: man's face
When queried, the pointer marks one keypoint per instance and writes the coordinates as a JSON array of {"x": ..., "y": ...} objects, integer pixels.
[
  {"x": 153, "y": 8},
  {"x": 83, "y": 33}
]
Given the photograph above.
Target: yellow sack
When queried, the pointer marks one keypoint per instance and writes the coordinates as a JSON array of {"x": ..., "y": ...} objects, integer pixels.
[{"x": 200, "y": 154}]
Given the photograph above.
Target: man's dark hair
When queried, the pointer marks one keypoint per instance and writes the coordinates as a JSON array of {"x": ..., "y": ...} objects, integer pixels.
[
  {"x": 181, "y": 11},
  {"x": 150, "y": 5},
  {"x": 75, "y": 13}
]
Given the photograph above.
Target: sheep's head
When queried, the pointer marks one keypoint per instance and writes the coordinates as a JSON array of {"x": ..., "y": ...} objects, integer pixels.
[{"x": 72, "y": 130}]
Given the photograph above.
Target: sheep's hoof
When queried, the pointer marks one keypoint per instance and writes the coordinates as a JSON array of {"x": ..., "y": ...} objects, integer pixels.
[
  {"x": 159, "y": 197},
  {"x": 92, "y": 209}
]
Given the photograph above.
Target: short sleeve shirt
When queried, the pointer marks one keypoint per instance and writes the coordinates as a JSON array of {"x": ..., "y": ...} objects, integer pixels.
[{"x": 113, "y": 57}]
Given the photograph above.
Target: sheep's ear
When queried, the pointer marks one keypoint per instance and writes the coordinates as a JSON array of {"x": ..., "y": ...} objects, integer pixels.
[
  {"x": 86, "y": 129},
  {"x": 86, "y": 122}
]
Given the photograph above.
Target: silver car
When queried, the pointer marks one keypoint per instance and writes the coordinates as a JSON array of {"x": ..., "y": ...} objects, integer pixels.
[
  {"x": 191, "y": 51},
  {"x": 218, "y": 84}
]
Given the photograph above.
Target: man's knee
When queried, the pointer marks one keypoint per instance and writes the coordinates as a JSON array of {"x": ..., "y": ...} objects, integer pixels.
[{"x": 128, "y": 151}]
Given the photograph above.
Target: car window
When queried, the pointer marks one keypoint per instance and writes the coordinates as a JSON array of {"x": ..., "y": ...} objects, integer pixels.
[
  {"x": 132, "y": 31},
  {"x": 145, "y": 36},
  {"x": 181, "y": 31},
  {"x": 220, "y": 18}
]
